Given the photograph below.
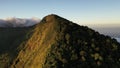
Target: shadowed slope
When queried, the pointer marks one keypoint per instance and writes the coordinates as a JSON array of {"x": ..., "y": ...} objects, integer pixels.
[
  {"x": 10, "y": 39},
  {"x": 79, "y": 46}
]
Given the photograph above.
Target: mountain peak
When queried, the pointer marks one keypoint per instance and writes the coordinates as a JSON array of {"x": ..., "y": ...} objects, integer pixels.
[{"x": 50, "y": 18}]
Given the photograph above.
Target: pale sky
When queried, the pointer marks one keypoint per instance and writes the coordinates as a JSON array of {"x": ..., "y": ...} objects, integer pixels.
[{"x": 79, "y": 11}]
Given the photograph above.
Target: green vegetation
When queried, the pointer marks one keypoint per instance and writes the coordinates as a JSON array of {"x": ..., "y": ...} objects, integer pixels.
[
  {"x": 82, "y": 47},
  {"x": 57, "y": 43}
]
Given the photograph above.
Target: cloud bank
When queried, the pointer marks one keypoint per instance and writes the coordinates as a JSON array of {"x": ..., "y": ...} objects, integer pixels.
[{"x": 18, "y": 22}]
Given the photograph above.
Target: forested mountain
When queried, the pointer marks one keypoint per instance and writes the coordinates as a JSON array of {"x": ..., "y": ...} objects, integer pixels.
[{"x": 56, "y": 42}]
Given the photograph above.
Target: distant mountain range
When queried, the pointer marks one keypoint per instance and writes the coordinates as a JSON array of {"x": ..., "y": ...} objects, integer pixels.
[
  {"x": 56, "y": 42},
  {"x": 18, "y": 22}
]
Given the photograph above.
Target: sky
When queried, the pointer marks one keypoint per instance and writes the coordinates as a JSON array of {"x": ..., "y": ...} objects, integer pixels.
[{"x": 78, "y": 11}]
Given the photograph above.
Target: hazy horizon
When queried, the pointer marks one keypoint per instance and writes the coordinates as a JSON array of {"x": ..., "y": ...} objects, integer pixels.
[
  {"x": 101, "y": 15},
  {"x": 79, "y": 11},
  {"x": 97, "y": 25}
]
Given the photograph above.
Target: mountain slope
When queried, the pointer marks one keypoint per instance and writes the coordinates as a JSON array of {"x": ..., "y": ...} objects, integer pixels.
[
  {"x": 10, "y": 39},
  {"x": 58, "y": 43},
  {"x": 35, "y": 50}
]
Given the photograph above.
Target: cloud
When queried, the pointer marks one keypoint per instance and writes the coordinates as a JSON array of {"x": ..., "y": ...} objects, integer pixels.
[{"x": 18, "y": 22}]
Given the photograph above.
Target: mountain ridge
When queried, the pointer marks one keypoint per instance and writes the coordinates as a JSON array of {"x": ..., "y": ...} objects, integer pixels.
[{"x": 56, "y": 42}]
